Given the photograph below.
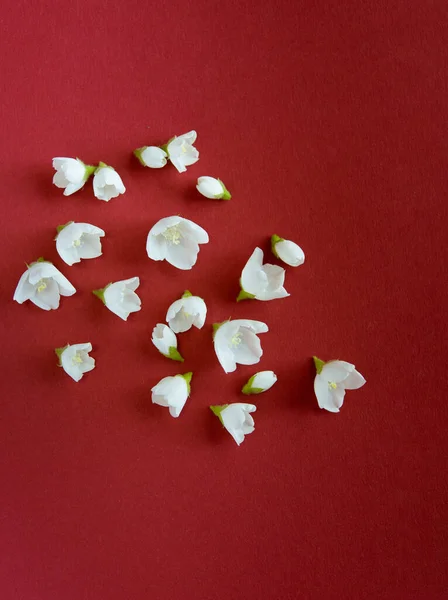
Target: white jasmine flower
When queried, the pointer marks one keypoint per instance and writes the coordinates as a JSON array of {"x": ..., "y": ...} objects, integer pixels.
[
  {"x": 120, "y": 297},
  {"x": 75, "y": 359},
  {"x": 213, "y": 188},
  {"x": 260, "y": 382},
  {"x": 78, "y": 240},
  {"x": 287, "y": 251},
  {"x": 237, "y": 342},
  {"x": 176, "y": 240},
  {"x": 236, "y": 419},
  {"x": 331, "y": 381},
  {"x": 151, "y": 156},
  {"x": 43, "y": 284},
  {"x": 71, "y": 174},
  {"x": 165, "y": 340},
  {"x": 261, "y": 282},
  {"x": 172, "y": 392},
  {"x": 107, "y": 183},
  {"x": 181, "y": 151},
  {"x": 184, "y": 313}
]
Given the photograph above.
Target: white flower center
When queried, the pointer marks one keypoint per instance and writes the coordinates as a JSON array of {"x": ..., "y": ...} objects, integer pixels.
[
  {"x": 173, "y": 235},
  {"x": 41, "y": 286},
  {"x": 183, "y": 148},
  {"x": 236, "y": 340},
  {"x": 77, "y": 359},
  {"x": 332, "y": 385}
]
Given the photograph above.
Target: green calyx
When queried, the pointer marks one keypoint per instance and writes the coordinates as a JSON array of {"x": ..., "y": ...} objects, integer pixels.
[
  {"x": 275, "y": 239},
  {"x": 138, "y": 153},
  {"x": 216, "y": 326},
  {"x": 226, "y": 195},
  {"x": 187, "y": 294},
  {"x": 101, "y": 165},
  {"x": 319, "y": 364},
  {"x": 217, "y": 410},
  {"x": 59, "y": 228},
  {"x": 59, "y": 351},
  {"x": 248, "y": 389},
  {"x": 244, "y": 296},
  {"x": 174, "y": 354},
  {"x": 100, "y": 293},
  {"x": 41, "y": 259},
  {"x": 187, "y": 377}
]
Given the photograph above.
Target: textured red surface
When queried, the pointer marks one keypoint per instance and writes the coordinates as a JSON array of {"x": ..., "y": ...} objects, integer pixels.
[{"x": 328, "y": 123}]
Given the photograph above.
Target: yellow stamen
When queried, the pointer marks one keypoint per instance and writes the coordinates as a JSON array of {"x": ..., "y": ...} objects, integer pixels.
[
  {"x": 236, "y": 340},
  {"x": 77, "y": 359},
  {"x": 332, "y": 385},
  {"x": 42, "y": 286},
  {"x": 173, "y": 235},
  {"x": 76, "y": 243}
]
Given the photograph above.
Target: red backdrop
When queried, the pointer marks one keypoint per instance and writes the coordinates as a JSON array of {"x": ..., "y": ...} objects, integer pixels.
[{"x": 327, "y": 121}]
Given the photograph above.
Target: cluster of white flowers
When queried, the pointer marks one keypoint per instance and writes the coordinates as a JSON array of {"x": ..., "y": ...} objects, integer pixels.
[{"x": 176, "y": 240}]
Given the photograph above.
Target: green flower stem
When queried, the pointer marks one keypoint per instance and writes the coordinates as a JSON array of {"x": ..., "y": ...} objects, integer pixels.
[{"x": 275, "y": 239}]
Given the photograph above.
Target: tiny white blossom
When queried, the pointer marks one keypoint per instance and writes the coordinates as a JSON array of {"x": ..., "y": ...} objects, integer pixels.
[
  {"x": 107, "y": 183},
  {"x": 187, "y": 311},
  {"x": 75, "y": 359},
  {"x": 236, "y": 418},
  {"x": 172, "y": 392},
  {"x": 261, "y": 282},
  {"x": 71, "y": 174},
  {"x": 151, "y": 156},
  {"x": 181, "y": 151},
  {"x": 176, "y": 240},
  {"x": 120, "y": 297},
  {"x": 165, "y": 340},
  {"x": 331, "y": 381},
  {"x": 76, "y": 241},
  {"x": 287, "y": 251},
  {"x": 43, "y": 285},
  {"x": 260, "y": 382},
  {"x": 212, "y": 188},
  {"x": 236, "y": 342}
]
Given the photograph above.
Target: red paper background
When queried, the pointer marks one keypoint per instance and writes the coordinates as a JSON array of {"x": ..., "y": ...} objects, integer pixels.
[{"x": 327, "y": 121}]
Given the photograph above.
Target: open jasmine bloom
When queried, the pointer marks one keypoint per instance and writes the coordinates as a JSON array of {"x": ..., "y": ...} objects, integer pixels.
[
  {"x": 75, "y": 359},
  {"x": 331, "y": 381},
  {"x": 176, "y": 240},
  {"x": 181, "y": 151},
  {"x": 107, "y": 183},
  {"x": 71, "y": 174},
  {"x": 43, "y": 285},
  {"x": 120, "y": 297},
  {"x": 172, "y": 392},
  {"x": 236, "y": 418},
  {"x": 237, "y": 342},
  {"x": 76, "y": 241},
  {"x": 261, "y": 282},
  {"x": 187, "y": 311},
  {"x": 165, "y": 340}
]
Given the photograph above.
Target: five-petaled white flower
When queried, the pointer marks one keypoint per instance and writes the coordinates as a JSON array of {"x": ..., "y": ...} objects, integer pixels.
[
  {"x": 176, "y": 240},
  {"x": 165, "y": 340},
  {"x": 236, "y": 418},
  {"x": 181, "y": 151},
  {"x": 213, "y": 188},
  {"x": 236, "y": 342},
  {"x": 120, "y": 297},
  {"x": 43, "y": 284},
  {"x": 331, "y": 381},
  {"x": 261, "y": 282},
  {"x": 75, "y": 359},
  {"x": 71, "y": 174},
  {"x": 287, "y": 251},
  {"x": 260, "y": 382},
  {"x": 151, "y": 156},
  {"x": 172, "y": 392},
  {"x": 187, "y": 311},
  {"x": 78, "y": 240},
  {"x": 107, "y": 183}
]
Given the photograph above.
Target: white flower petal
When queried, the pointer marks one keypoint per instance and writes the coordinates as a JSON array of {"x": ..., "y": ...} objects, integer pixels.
[
  {"x": 209, "y": 187},
  {"x": 354, "y": 381},
  {"x": 153, "y": 157},
  {"x": 24, "y": 289},
  {"x": 237, "y": 421},
  {"x": 184, "y": 255},
  {"x": 264, "y": 380},
  {"x": 336, "y": 370},
  {"x": 290, "y": 253},
  {"x": 171, "y": 392},
  {"x": 163, "y": 338}
]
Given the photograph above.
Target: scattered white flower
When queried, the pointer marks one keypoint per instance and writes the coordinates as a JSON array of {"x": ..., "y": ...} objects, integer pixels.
[
  {"x": 236, "y": 419},
  {"x": 181, "y": 151},
  {"x": 165, "y": 340},
  {"x": 237, "y": 342},
  {"x": 287, "y": 251},
  {"x": 71, "y": 174},
  {"x": 78, "y": 240},
  {"x": 213, "y": 188},
  {"x": 172, "y": 392},
  {"x": 187, "y": 311},
  {"x": 107, "y": 183},
  {"x": 331, "y": 381},
  {"x": 260, "y": 382},
  {"x": 75, "y": 359},
  {"x": 120, "y": 297},
  {"x": 261, "y": 282},
  {"x": 176, "y": 240},
  {"x": 43, "y": 284},
  {"x": 151, "y": 156}
]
